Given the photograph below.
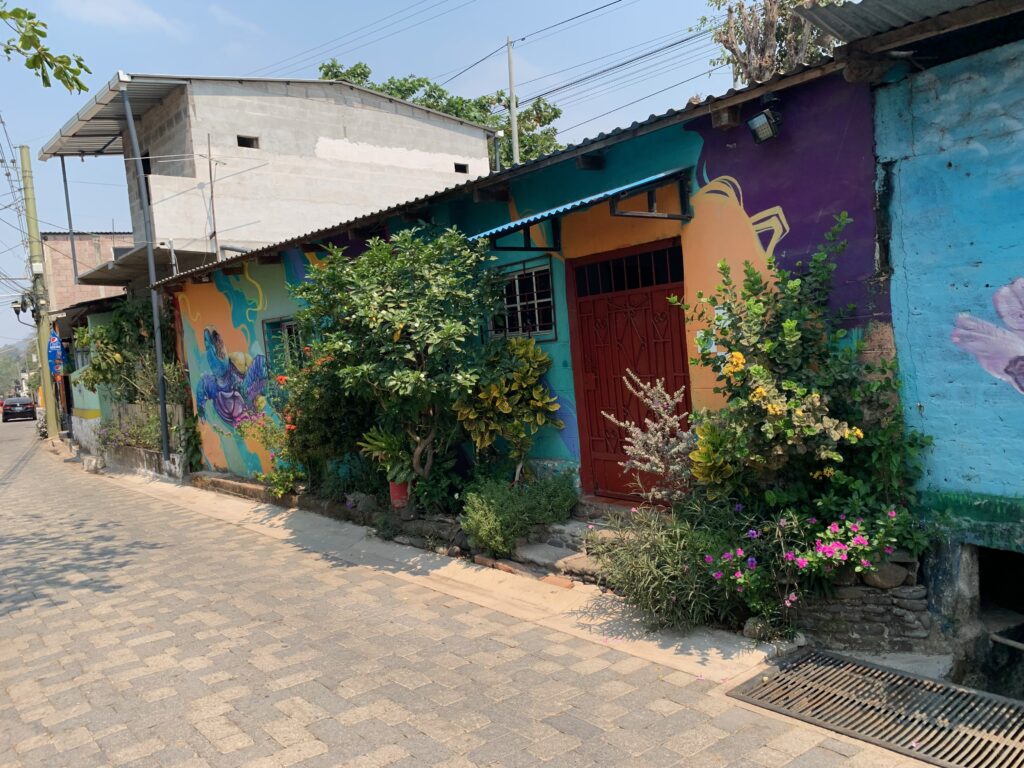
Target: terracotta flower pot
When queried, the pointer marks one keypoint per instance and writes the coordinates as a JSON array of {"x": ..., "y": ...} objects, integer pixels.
[{"x": 399, "y": 494}]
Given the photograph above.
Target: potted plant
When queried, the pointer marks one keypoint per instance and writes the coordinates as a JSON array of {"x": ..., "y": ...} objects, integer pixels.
[{"x": 391, "y": 451}]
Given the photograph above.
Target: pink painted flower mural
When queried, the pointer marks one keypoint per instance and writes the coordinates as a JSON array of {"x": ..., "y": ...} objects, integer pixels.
[{"x": 1000, "y": 351}]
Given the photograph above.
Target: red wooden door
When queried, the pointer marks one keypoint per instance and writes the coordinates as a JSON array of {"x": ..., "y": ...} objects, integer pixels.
[{"x": 623, "y": 321}]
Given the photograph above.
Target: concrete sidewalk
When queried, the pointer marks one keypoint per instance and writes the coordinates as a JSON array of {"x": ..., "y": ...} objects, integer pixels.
[{"x": 584, "y": 611}]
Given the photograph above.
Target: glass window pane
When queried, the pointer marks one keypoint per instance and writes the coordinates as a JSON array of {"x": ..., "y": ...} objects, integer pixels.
[
  {"x": 546, "y": 317},
  {"x": 632, "y": 272},
  {"x": 618, "y": 275},
  {"x": 675, "y": 263},
  {"x": 543, "y": 281},
  {"x": 581, "y": 282},
  {"x": 646, "y": 270},
  {"x": 660, "y": 267},
  {"x": 606, "y": 277}
]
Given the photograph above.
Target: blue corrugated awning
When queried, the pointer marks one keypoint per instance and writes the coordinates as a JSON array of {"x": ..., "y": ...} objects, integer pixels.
[{"x": 583, "y": 202}]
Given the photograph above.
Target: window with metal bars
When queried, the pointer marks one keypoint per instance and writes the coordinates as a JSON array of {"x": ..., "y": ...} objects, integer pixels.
[
  {"x": 626, "y": 273},
  {"x": 529, "y": 304},
  {"x": 284, "y": 345}
]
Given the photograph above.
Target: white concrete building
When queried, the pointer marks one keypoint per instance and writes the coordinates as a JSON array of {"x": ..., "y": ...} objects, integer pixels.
[{"x": 238, "y": 163}]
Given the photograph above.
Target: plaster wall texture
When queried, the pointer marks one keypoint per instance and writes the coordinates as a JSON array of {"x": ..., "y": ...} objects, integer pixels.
[
  {"x": 326, "y": 153},
  {"x": 955, "y": 141},
  {"x": 165, "y": 134},
  {"x": 91, "y": 249}
]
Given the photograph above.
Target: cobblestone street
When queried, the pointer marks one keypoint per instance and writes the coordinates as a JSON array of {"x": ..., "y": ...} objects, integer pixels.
[{"x": 135, "y": 631}]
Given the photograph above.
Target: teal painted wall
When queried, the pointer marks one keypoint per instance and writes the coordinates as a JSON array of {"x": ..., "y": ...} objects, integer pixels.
[{"x": 953, "y": 141}]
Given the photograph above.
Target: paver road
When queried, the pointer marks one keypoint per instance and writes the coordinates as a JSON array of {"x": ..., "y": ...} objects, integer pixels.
[{"x": 136, "y": 632}]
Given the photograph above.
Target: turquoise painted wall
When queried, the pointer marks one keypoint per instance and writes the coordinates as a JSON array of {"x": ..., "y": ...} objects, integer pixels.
[{"x": 953, "y": 138}]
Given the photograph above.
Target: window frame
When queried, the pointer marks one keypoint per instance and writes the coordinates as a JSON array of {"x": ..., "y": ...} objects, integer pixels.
[
  {"x": 512, "y": 273},
  {"x": 281, "y": 325}
]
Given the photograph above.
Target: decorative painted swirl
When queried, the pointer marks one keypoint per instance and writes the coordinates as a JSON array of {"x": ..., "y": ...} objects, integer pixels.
[{"x": 261, "y": 299}]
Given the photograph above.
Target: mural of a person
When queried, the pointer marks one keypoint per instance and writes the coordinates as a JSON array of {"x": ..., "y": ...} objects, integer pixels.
[
  {"x": 234, "y": 382},
  {"x": 1000, "y": 351}
]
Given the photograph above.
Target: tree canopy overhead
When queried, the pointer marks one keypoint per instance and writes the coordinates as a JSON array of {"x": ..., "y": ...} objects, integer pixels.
[
  {"x": 763, "y": 38},
  {"x": 28, "y": 43},
  {"x": 537, "y": 135}
]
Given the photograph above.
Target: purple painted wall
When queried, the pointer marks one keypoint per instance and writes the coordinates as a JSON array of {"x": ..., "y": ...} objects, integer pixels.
[{"x": 822, "y": 162}]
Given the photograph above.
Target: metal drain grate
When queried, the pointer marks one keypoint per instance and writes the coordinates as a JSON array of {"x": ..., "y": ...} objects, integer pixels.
[{"x": 937, "y": 722}]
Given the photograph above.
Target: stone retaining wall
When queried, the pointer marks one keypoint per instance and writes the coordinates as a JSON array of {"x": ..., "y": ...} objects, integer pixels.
[{"x": 860, "y": 617}]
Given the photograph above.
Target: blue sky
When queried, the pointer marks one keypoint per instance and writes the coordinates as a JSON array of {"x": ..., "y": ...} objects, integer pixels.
[{"x": 433, "y": 37}]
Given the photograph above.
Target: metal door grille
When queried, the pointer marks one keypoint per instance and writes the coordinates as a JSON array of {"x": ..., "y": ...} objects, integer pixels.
[{"x": 940, "y": 723}]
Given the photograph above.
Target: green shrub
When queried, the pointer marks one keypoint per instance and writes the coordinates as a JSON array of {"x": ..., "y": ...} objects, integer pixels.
[
  {"x": 497, "y": 513},
  {"x": 656, "y": 561}
]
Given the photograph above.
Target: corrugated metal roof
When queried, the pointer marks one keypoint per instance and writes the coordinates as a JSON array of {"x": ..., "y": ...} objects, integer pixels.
[
  {"x": 652, "y": 123},
  {"x": 858, "y": 20},
  {"x": 97, "y": 127},
  {"x": 584, "y": 202}
]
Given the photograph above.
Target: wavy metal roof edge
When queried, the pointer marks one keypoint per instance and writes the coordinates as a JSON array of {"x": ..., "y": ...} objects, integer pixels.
[
  {"x": 853, "y": 21},
  {"x": 699, "y": 109}
]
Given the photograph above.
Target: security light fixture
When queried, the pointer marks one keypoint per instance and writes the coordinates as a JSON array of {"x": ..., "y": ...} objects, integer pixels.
[{"x": 765, "y": 124}]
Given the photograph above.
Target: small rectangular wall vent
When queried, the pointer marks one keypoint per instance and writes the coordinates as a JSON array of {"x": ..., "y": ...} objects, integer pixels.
[
  {"x": 249, "y": 142},
  {"x": 462, "y": 167}
]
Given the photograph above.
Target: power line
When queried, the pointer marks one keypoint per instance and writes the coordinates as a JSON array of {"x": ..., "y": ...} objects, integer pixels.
[
  {"x": 578, "y": 23},
  {"x": 478, "y": 61},
  {"x": 641, "y": 75},
  {"x": 331, "y": 42},
  {"x": 642, "y": 98},
  {"x": 599, "y": 58},
  {"x": 531, "y": 34},
  {"x": 384, "y": 37},
  {"x": 566, "y": 21},
  {"x": 603, "y": 71}
]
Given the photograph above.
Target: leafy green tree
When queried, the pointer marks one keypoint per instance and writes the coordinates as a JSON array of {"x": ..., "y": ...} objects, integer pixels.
[
  {"x": 399, "y": 328},
  {"x": 28, "y": 43},
  {"x": 10, "y": 369},
  {"x": 761, "y": 39},
  {"x": 537, "y": 135}
]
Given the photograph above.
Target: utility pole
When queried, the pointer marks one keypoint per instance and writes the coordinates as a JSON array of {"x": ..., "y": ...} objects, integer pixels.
[
  {"x": 513, "y": 106},
  {"x": 35, "y": 255}
]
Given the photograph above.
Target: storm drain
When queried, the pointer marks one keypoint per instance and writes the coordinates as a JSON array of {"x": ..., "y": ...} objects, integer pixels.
[{"x": 937, "y": 722}]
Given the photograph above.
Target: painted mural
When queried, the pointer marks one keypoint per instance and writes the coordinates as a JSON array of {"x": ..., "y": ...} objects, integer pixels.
[
  {"x": 999, "y": 350},
  {"x": 224, "y": 343},
  {"x": 232, "y": 382},
  {"x": 953, "y": 141}
]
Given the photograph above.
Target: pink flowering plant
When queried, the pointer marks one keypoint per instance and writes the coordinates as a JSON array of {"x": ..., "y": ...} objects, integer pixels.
[{"x": 778, "y": 562}]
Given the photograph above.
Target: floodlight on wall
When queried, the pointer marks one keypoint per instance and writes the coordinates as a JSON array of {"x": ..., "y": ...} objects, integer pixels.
[{"x": 765, "y": 124}]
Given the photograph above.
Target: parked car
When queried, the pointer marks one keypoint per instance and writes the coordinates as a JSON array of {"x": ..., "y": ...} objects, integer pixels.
[{"x": 19, "y": 408}]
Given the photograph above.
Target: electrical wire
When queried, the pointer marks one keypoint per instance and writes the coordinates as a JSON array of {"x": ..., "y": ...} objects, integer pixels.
[
  {"x": 531, "y": 34},
  {"x": 463, "y": 71},
  {"x": 578, "y": 23},
  {"x": 415, "y": 24},
  {"x": 642, "y": 98},
  {"x": 642, "y": 75},
  {"x": 659, "y": 38},
  {"x": 612, "y": 68},
  {"x": 331, "y": 42}
]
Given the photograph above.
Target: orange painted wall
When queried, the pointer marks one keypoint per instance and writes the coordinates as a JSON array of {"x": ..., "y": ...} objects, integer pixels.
[{"x": 721, "y": 230}]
